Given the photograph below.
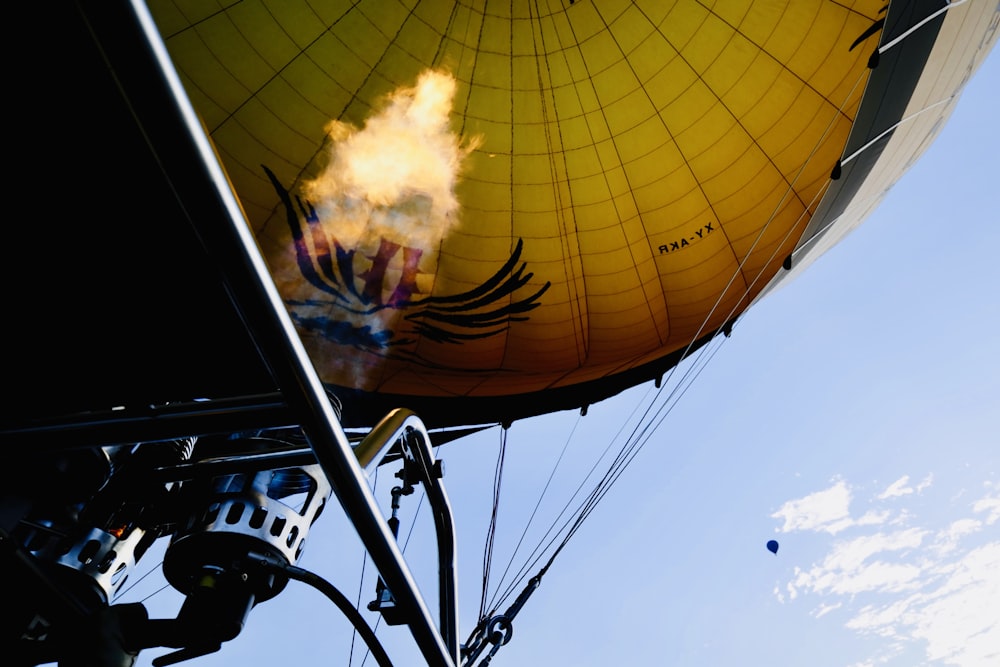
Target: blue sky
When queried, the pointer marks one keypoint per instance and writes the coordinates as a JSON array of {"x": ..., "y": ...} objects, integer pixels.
[{"x": 854, "y": 416}]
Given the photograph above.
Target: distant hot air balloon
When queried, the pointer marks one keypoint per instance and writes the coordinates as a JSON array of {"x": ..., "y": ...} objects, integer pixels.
[{"x": 772, "y": 546}]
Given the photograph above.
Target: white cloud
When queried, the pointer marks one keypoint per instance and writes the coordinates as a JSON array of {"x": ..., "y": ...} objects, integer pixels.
[
  {"x": 827, "y": 511},
  {"x": 824, "y": 510},
  {"x": 880, "y": 620},
  {"x": 848, "y": 569},
  {"x": 949, "y": 538},
  {"x": 990, "y": 505},
  {"x": 902, "y": 518},
  {"x": 962, "y": 625},
  {"x": 959, "y": 619},
  {"x": 897, "y": 488},
  {"x": 825, "y": 609},
  {"x": 872, "y": 518},
  {"x": 912, "y": 584}
]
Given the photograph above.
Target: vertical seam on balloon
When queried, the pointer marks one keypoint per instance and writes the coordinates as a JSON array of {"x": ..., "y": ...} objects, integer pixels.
[
  {"x": 321, "y": 148},
  {"x": 665, "y": 336},
  {"x": 604, "y": 173},
  {"x": 669, "y": 131},
  {"x": 475, "y": 53},
  {"x": 510, "y": 167},
  {"x": 583, "y": 332},
  {"x": 384, "y": 371}
]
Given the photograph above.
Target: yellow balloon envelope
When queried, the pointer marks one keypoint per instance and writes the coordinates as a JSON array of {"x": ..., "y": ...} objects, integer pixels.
[{"x": 489, "y": 210}]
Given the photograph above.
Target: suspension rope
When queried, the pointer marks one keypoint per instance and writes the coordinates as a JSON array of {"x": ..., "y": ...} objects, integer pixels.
[
  {"x": 916, "y": 26},
  {"x": 542, "y": 545},
  {"x": 892, "y": 128},
  {"x": 531, "y": 518},
  {"x": 659, "y": 406},
  {"x": 491, "y": 530}
]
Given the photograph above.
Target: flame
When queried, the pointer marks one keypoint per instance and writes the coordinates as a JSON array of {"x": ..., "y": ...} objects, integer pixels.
[
  {"x": 395, "y": 177},
  {"x": 390, "y": 184}
]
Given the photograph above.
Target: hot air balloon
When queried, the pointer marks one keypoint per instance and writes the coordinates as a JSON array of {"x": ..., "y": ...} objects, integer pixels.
[
  {"x": 772, "y": 546},
  {"x": 309, "y": 239}
]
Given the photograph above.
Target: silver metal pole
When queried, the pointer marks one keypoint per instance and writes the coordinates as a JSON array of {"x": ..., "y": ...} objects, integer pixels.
[{"x": 230, "y": 241}]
